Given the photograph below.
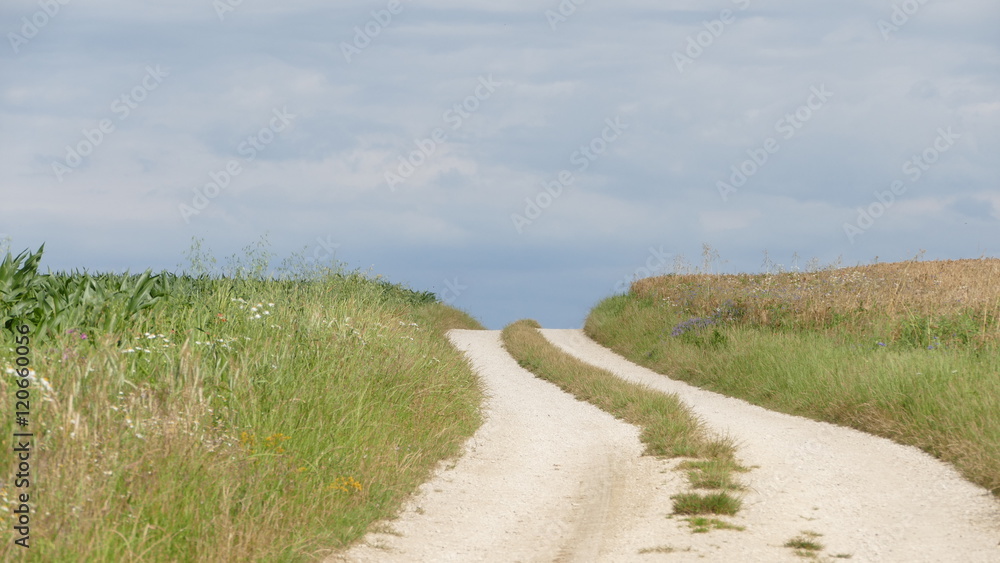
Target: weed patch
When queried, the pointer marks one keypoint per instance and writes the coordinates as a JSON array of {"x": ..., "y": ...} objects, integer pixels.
[
  {"x": 702, "y": 525},
  {"x": 713, "y": 503},
  {"x": 805, "y": 544}
]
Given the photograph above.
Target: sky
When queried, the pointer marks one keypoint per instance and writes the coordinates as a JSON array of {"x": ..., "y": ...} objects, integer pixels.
[{"x": 522, "y": 159}]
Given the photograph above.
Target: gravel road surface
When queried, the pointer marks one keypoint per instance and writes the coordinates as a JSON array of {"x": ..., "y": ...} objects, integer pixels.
[{"x": 549, "y": 478}]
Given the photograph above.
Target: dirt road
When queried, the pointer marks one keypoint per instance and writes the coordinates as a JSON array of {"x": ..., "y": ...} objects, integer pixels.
[{"x": 548, "y": 478}]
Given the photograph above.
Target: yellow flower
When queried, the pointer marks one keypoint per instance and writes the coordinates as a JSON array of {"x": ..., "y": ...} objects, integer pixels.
[{"x": 342, "y": 484}]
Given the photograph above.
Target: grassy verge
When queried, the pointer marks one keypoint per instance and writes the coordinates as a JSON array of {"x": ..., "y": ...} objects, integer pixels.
[
  {"x": 226, "y": 419},
  {"x": 908, "y": 351},
  {"x": 668, "y": 428}
]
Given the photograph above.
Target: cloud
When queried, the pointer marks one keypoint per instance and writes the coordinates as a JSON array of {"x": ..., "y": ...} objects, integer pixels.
[{"x": 325, "y": 174}]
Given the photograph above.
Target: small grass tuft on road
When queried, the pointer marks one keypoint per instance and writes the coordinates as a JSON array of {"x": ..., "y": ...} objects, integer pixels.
[
  {"x": 713, "y": 474},
  {"x": 701, "y": 525},
  {"x": 712, "y": 503},
  {"x": 805, "y": 544}
]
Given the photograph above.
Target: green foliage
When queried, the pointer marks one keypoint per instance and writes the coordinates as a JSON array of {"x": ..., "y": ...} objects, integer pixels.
[
  {"x": 221, "y": 418},
  {"x": 933, "y": 332},
  {"x": 56, "y": 302},
  {"x": 704, "y": 338},
  {"x": 20, "y": 286},
  {"x": 53, "y": 303}
]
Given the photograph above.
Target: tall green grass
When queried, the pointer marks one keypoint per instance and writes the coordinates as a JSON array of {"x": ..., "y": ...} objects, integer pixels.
[
  {"x": 218, "y": 418},
  {"x": 934, "y": 385}
]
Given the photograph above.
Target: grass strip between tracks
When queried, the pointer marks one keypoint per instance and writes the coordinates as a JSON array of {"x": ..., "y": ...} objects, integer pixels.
[{"x": 668, "y": 428}]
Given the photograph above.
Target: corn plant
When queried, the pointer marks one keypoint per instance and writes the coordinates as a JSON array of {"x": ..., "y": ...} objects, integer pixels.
[
  {"x": 64, "y": 301},
  {"x": 20, "y": 285}
]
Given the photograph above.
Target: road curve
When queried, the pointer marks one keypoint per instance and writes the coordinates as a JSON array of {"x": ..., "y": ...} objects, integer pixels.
[
  {"x": 549, "y": 478},
  {"x": 870, "y": 497}
]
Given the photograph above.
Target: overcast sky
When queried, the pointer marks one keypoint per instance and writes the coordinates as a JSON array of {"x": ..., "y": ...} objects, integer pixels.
[{"x": 521, "y": 158}]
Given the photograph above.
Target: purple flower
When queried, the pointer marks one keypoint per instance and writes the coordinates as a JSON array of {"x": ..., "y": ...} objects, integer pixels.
[
  {"x": 83, "y": 335},
  {"x": 693, "y": 323}
]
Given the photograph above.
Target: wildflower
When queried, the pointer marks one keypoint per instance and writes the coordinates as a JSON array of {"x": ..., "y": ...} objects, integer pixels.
[
  {"x": 693, "y": 323},
  {"x": 40, "y": 381},
  {"x": 345, "y": 484}
]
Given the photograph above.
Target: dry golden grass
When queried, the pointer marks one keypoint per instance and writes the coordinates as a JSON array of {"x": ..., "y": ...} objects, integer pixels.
[{"x": 859, "y": 297}]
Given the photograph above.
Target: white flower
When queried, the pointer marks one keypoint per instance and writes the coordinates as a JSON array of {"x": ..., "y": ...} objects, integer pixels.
[{"x": 46, "y": 385}]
